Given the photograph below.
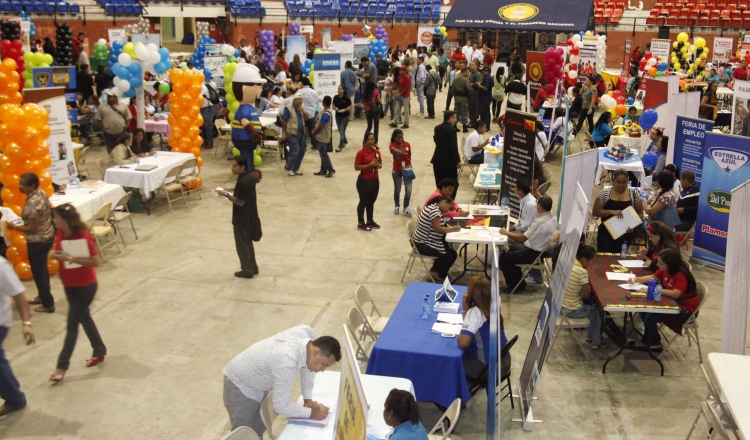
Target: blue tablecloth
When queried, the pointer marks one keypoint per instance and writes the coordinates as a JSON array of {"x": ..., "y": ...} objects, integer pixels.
[{"x": 407, "y": 348}]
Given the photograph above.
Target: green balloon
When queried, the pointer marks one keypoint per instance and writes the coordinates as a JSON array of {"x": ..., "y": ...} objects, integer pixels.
[
  {"x": 234, "y": 106},
  {"x": 37, "y": 58},
  {"x": 47, "y": 59},
  {"x": 27, "y": 56},
  {"x": 235, "y": 152},
  {"x": 29, "y": 84},
  {"x": 257, "y": 160},
  {"x": 26, "y": 74},
  {"x": 164, "y": 88},
  {"x": 183, "y": 68}
]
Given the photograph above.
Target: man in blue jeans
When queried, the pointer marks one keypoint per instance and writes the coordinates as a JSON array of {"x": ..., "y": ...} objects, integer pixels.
[
  {"x": 293, "y": 131},
  {"x": 419, "y": 79},
  {"x": 208, "y": 112},
  {"x": 10, "y": 286}
]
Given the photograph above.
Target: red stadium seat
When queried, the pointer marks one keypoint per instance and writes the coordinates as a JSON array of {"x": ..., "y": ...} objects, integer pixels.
[
  {"x": 736, "y": 19},
  {"x": 663, "y": 12},
  {"x": 732, "y": 7},
  {"x": 746, "y": 18}
]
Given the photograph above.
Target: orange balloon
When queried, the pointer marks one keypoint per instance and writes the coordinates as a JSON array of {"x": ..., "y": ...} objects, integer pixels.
[
  {"x": 31, "y": 166},
  {"x": 197, "y": 143},
  {"x": 16, "y": 209},
  {"x": 14, "y": 151},
  {"x": 196, "y": 152},
  {"x": 172, "y": 119},
  {"x": 43, "y": 131},
  {"x": 172, "y": 141},
  {"x": 13, "y": 255},
  {"x": 621, "y": 110},
  {"x": 176, "y": 109},
  {"x": 198, "y": 180},
  {"x": 177, "y": 132},
  {"x": 45, "y": 161},
  {"x": 11, "y": 180},
  {"x": 652, "y": 71},
  {"x": 200, "y": 162},
  {"x": 19, "y": 242},
  {"x": 199, "y": 121},
  {"x": 5, "y": 164},
  {"x": 193, "y": 132},
  {"x": 185, "y": 144},
  {"x": 9, "y": 64},
  {"x": 23, "y": 270},
  {"x": 45, "y": 179},
  {"x": 53, "y": 266}
]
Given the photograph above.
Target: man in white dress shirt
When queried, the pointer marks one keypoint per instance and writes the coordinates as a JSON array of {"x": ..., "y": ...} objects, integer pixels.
[
  {"x": 273, "y": 364},
  {"x": 474, "y": 146},
  {"x": 476, "y": 54},
  {"x": 467, "y": 50},
  {"x": 310, "y": 103},
  {"x": 527, "y": 209}
]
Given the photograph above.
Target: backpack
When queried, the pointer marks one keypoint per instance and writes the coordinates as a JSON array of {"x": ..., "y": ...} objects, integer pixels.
[{"x": 213, "y": 95}]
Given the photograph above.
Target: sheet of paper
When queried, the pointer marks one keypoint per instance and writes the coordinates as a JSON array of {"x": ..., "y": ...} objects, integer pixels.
[
  {"x": 450, "y": 318},
  {"x": 632, "y": 263},
  {"x": 615, "y": 276},
  {"x": 468, "y": 217},
  {"x": 451, "y": 329},
  {"x": 633, "y": 287},
  {"x": 461, "y": 232},
  {"x": 330, "y": 402},
  {"x": 76, "y": 248},
  {"x": 617, "y": 227}
]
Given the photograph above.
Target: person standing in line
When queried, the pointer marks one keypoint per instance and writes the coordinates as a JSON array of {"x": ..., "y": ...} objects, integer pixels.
[
  {"x": 485, "y": 96},
  {"x": 430, "y": 90},
  {"x": 467, "y": 50},
  {"x": 442, "y": 66},
  {"x": 40, "y": 233},
  {"x": 79, "y": 280},
  {"x": 322, "y": 135},
  {"x": 349, "y": 81},
  {"x": 516, "y": 91},
  {"x": 589, "y": 101},
  {"x": 274, "y": 364},
  {"x": 244, "y": 215},
  {"x": 310, "y": 104},
  {"x": 498, "y": 92},
  {"x": 370, "y": 99},
  {"x": 368, "y": 161},
  {"x": 401, "y": 151},
  {"x": 419, "y": 79},
  {"x": 114, "y": 118},
  {"x": 342, "y": 105},
  {"x": 475, "y": 78},
  {"x": 293, "y": 131},
  {"x": 402, "y": 99},
  {"x": 208, "y": 112},
  {"x": 461, "y": 95},
  {"x": 476, "y": 54},
  {"x": 446, "y": 160},
  {"x": 11, "y": 286}
]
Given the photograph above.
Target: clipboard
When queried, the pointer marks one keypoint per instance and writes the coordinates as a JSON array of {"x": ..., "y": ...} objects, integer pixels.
[
  {"x": 77, "y": 248},
  {"x": 617, "y": 227}
]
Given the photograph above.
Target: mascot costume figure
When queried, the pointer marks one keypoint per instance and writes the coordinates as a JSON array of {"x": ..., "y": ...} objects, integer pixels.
[{"x": 247, "y": 132}]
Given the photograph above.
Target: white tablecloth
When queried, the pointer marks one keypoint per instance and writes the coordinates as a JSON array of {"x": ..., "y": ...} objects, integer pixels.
[
  {"x": 327, "y": 387},
  {"x": 631, "y": 143},
  {"x": 88, "y": 200},
  {"x": 634, "y": 164},
  {"x": 731, "y": 373},
  {"x": 148, "y": 181},
  {"x": 724, "y": 92}
]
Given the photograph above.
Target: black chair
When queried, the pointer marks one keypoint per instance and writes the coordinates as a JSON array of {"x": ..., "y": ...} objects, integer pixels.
[{"x": 476, "y": 384}]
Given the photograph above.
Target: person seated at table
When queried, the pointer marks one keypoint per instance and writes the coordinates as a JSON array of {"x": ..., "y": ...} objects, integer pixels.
[
  {"x": 526, "y": 247},
  {"x": 660, "y": 237},
  {"x": 660, "y": 206},
  {"x": 161, "y": 99},
  {"x": 709, "y": 103},
  {"x": 264, "y": 99},
  {"x": 140, "y": 146},
  {"x": 540, "y": 97},
  {"x": 540, "y": 141},
  {"x": 677, "y": 187},
  {"x": 474, "y": 146},
  {"x": 631, "y": 117},
  {"x": 429, "y": 236},
  {"x": 687, "y": 206},
  {"x": 602, "y": 130},
  {"x": 610, "y": 202},
  {"x": 654, "y": 135},
  {"x": 149, "y": 104},
  {"x": 276, "y": 99},
  {"x": 122, "y": 154},
  {"x": 401, "y": 412},
  {"x": 445, "y": 188},
  {"x": 576, "y": 106},
  {"x": 475, "y": 332},
  {"x": 557, "y": 127},
  {"x": 712, "y": 77},
  {"x": 579, "y": 302},
  {"x": 677, "y": 283},
  {"x": 527, "y": 206}
]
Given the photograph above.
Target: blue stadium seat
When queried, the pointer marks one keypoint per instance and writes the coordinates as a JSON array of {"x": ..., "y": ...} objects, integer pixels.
[
  {"x": 350, "y": 15},
  {"x": 7, "y": 7},
  {"x": 399, "y": 16},
  {"x": 379, "y": 16},
  {"x": 408, "y": 17},
  {"x": 303, "y": 14},
  {"x": 436, "y": 16},
  {"x": 74, "y": 8},
  {"x": 425, "y": 17},
  {"x": 361, "y": 15}
]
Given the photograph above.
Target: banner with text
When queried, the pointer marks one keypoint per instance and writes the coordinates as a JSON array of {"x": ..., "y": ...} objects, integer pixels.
[
  {"x": 117, "y": 35},
  {"x": 724, "y": 168},
  {"x": 741, "y": 110},
  {"x": 216, "y": 66},
  {"x": 352, "y": 408},
  {"x": 327, "y": 74},
  {"x": 689, "y": 139},
  {"x": 737, "y": 274},
  {"x": 345, "y": 48},
  {"x": 535, "y": 62},
  {"x": 625, "y": 73},
  {"x": 296, "y": 45},
  {"x": 722, "y": 49},
  {"x": 518, "y": 158},
  {"x": 58, "y": 76},
  {"x": 424, "y": 36},
  {"x": 587, "y": 56},
  {"x": 660, "y": 48}
]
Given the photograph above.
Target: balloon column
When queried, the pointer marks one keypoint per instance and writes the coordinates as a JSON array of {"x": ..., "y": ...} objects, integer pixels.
[
  {"x": 232, "y": 103},
  {"x": 553, "y": 62},
  {"x": 347, "y": 37},
  {"x": 601, "y": 53},
  {"x": 9, "y": 84},
  {"x": 64, "y": 45},
  {"x": 442, "y": 31},
  {"x": 114, "y": 54},
  {"x": 382, "y": 35},
  {"x": 574, "y": 49},
  {"x": 34, "y": 59},
  {"x": 200, "y": 52},
  {"x": 693, "y": 56},
  {"x": 128, "y": 71},
  {"x": 201, "y": 30},
  {"x": 10, "y": 30},
  {"x": 266, "y": 40},
  {"x": 101, "y": 49},
  {"x": 294, "y": 28},
  {"x": 185, "y": 117},
  {"x": 14, "y": 50},
  {"x": 24, "y": 130}
]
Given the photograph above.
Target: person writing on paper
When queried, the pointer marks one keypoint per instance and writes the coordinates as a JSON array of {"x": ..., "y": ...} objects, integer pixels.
[
  {"x": 611, "y": 202},
  {"x": 660, "y": 236},
  {"x": 475, "y": 332},
  {"x": 401, "y": 412},
  {"x": 474, "y": 146},
  {"x": 677, "y": 283},
  {"x": 662, "y": 206},
  {"x": 445, "y": 188},
  {"x": 122, "y": 154},
  {"x": 578, "y": 291},
  {"x": 273, "y": 364},
  {"x": 527, "y": 206},
  {"x": 79, "y": 280},
  {"x": 429, "y": 236}
]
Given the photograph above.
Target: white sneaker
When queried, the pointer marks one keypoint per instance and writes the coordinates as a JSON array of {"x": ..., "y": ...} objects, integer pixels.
[
  {"x": 291, "y": 173},
  {"x": 530, "y": 280},
  {"x": 395, "y": 210},
  {"x": 407, "y": 212}
]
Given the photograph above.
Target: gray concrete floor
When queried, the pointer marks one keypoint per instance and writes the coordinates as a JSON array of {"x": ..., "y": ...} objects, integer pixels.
[{"x": 172, "y": 315}]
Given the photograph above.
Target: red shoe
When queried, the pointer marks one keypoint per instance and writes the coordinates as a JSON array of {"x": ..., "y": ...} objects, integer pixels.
[
  {"x": 57, "y": 377},
  {"x": 92, "y": 362}
]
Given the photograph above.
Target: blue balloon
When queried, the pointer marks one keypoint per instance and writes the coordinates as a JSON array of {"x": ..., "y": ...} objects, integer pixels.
[
  {"x": 117, "y": 44},
  {"x": 308, "y": 63},
  {"x": 120, "y": 70},
  {"x": 213, "y": 41},
  {"x": 135, "y": 70},
  {"x": 164, "y": 53},
  {"x": 648, "y": 119},
  {"x": 662, "y": 66},
  {"x": 649, "y": 159},
  {"x": 631, "y": 100},
  {"x": 130, "y": 93},
  {"x": 236, "y": 53},
  {"x": 207, "y": 74}
]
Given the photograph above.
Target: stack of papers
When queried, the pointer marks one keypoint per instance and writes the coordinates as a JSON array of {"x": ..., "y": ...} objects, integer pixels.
[
  {"x": 449, "y": 329},
  {"x": 633, "y": 286},
  {"x": 632, "y": 263},
  {"x": 615, "y": 276},
  {"x": 446, "y": 307},
  {"x": 450, "y": 318}
]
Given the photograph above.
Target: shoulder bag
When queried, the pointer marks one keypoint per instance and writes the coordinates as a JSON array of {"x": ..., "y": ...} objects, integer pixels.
[
  {"x": 376, "y": 108},
  {"x": 407, "y": 172}
]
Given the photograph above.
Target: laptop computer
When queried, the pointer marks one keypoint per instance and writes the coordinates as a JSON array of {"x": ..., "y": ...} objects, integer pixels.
[{"x": 146, "y": 167}]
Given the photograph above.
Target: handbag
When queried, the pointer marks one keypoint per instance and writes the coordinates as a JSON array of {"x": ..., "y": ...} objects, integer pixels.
[
  {"x": 669, "y": 216},
  {"x": 408, "y": 173},
  {"x": 376, "y": 108}
]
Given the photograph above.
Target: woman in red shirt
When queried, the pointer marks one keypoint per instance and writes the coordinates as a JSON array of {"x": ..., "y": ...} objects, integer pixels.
[
  {"x": 79, "y": 280},
  {"x": 368, "y": 161},
  {"x": 677, "y": 283},
  {"x": 401, "y": 151}
]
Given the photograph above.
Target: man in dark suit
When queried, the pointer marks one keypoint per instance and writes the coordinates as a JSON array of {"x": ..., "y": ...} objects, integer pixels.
[
  {"x": 445, "y": 160},
  {"x": 687, "y": 206}
]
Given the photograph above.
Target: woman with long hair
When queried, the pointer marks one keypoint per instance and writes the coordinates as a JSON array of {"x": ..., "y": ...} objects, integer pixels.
[
  {"x": 140, "y": 145},
  {"x": 342, "y": 105},
  {"x": 429, "y": 236},
  {"x": 79, "y": 280},
  {"x": 709, "y": 103},
  {"x": 661, "y": 237},
  {"x": 368, "y": 161},
  {"x": 677, "y": 283},
  {"x": 296, "y": 66},
  {"x": 602, "y": 130},
  {"x": 498, "y": 92},
  {"x": 370, "y": 96},
  {"x": 39, "y": 231},
  {"x": 663, "y": 199},
  {"x": 401, "y": 412},
  {"x": 611, "y": 202},
  {"x": 401, "y": 151},
  {"x": 588, "y": 93}
]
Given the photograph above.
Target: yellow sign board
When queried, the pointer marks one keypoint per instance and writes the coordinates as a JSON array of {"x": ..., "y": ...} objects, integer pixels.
[
  {"x": 518, "y": 12},
  {"x": 351, "y": 412}
]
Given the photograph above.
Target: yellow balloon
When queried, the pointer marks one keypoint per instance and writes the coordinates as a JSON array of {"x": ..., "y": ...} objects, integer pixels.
[
  {"x": 674, "y": 45},
  {"x": 129, "y": 49},
  {"x": 700, "y": 42},
  {"x": 683, "y": 37},
  {"x": 676, "y": 66},
  {"x": 588, "y": 33},
  {"x": 372, "y": 37},
  {"x": 442, "y": 29}
]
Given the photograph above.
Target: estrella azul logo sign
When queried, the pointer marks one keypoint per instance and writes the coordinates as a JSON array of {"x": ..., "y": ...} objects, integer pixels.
[{"x": 727, "y": 159}]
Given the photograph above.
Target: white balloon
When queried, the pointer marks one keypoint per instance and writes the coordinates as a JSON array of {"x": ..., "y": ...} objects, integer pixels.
[
  {"x": 153, "y": 57},
  {"x": 123, "y": 85},
  {"x": 573, "y": 74},
  {"x": 651, "y": 62},
  {"x": 574, "y": 59},
  {"x": 579, "y": 44},
  {"x": 141, "y": 52},
  {"x": 576, "y": 38},
  {"x": 124, "y": 59},
  {"x": 152, "y": 47},
  {"x": 212, "y": 84},
  {"x": 102, "y": 42},
  {"x": 115, "y": 91}
]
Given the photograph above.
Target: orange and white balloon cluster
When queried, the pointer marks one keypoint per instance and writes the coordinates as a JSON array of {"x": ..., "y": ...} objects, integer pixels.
[
  {"x": 9, "y": 83},
  {"x": 185, "y": 113},
  {"x": 23, "y": 130}
]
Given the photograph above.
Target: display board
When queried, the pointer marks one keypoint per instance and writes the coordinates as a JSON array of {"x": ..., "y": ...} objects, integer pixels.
[
  {"x": 117, "y": 35},
  {"x": 344, "y": 48},
  {"x": 741, "y": 109},
  {"x": 352, "y": 408},
  {"x": 580, "y": 170},
  {"x": 296, "y": 45},
  {"x": 327, "y": 74},
  {"x": 535, "y": 62},
  {"x": 518, "y": 157},
  {"x": 737, "y": 277},
  {"x": 689, "y": 142},
  {"x": 424, "y": 36},
  {"x": 722, "y": 50},
  {"x": 660, "y": 48},
  {"x": 216, "y": 66}
]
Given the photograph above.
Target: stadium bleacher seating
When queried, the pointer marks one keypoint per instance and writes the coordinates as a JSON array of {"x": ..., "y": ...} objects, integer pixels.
[
  {"x": 702, "y": 13},
  {"x": 38, "y": 7},
  {"x": 419, "y": 11},
  {"x": 245, "y": 8}
]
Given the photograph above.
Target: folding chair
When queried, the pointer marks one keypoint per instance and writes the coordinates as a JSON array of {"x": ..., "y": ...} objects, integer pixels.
[
  {"x": 708, "y": 424},
  {"x": 171, "y": 183},
  {"x": 101, "y": 165},
  {"x": 545, "y": 187},
  {"x": 191, "y": 178},
  {"x": 120, "y": 213},
  {"x": 464, "y": 161},
  {"x": 83, "y": 167},
  {"x": 270, "y": 139},
  {"x": 242, "y": 433},
  {"x": 537, "y": 264},
  {"x": 690, "y": 327},
  {"x": 224, "y": 134},
  {"x": 570, "y": 324},
  {"x": 713, "y": 399},
  {"x": 374, "y": 320},
  {"x": 103, "y": 229},
  {"x": 683, "y": 238},
  {"x": 411, "y": 226},
  {"x": 268, "y": 415},
  {"x": 476, "y": 385},
  {"x": 451, "y": 414},
  {"x": 360, "y": 334}
]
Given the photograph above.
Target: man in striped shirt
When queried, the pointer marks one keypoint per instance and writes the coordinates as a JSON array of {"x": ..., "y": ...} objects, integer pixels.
[{"x": 273, "y": 364}]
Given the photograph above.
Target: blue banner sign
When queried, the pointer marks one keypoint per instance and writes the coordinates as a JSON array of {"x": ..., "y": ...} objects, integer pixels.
[{"x": 689, "y": 140}]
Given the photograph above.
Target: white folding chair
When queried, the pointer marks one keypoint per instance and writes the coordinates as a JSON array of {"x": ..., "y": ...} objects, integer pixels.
[
  {"x": 171, "y": 183},
  {"x": 724, "y": 418},
  {"x": 411, "y": 226},
  {"x": 690, "y": 327},
  {"x": 360, "y": 334},
  {"x": 374, "y": 320},
  {"x": 83, "y": 167},
  {"x": 103, "y": 229},
  {"x": 191, "y": 166},
  {"x": 451, "y": 415},
  {"x": 268, "y": 415},
  {"x": 242, "y": 433},
  {"x": 120, "y": 213},
  {"x": 101, "y": 165},
  {"x": 537, "y": 264},
  {"x": 224, "y": 135}
]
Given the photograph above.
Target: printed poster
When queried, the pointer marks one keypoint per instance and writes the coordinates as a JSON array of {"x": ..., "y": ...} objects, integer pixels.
[
  {"x": 327, "y": 74},
  {"x": 625, "y": 73},
  {"x": 344, "y": 48},
  {"x": 535, "y": 62},
  {"x": 216, "y": 66},
  {"x": 296, "y": 45},
  {"x": 587, "y": 55},
  {"x": 689, "y": 139},
  {"x": 117, "y": 35},
  {"x": 424, "y": 36},
  {"x": 518, "y": 160},
  {"x": 351, "y": 412},
  {"x": 660, "y": 48},
  {"x": 722, "y": 50},
  {"x": 326, "y": 37},
  {"x": 146, "y": 39},
  {"x": 361, "y": 49},
  {"x": 741, "y": 110}
]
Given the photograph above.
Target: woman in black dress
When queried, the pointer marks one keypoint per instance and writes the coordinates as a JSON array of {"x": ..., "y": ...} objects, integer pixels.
[{"x": 610, "y": 202}]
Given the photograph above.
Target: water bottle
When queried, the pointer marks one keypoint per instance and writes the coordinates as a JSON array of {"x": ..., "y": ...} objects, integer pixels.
[
  {"x": 492, "y": 142},
  {"x": 504, "y": 203},
  {"x": 138, "y": 160},
  {"x": 77, "y": 182},
  {"x": 71, "y": 182},
  {"x": 624, "y": 250},
  {"x": 158, "y": 109},
  {"x": 426, "y": 307},
  {"x": 657, "y": 291},
  {"x": 651, "y": 289},
  {"x": 156, "y": 151}
]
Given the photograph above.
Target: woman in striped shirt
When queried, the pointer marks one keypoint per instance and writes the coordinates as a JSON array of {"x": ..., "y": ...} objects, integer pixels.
[
  {"x": 429, "y": 237},
  {"x": 578, "y": 291}
]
